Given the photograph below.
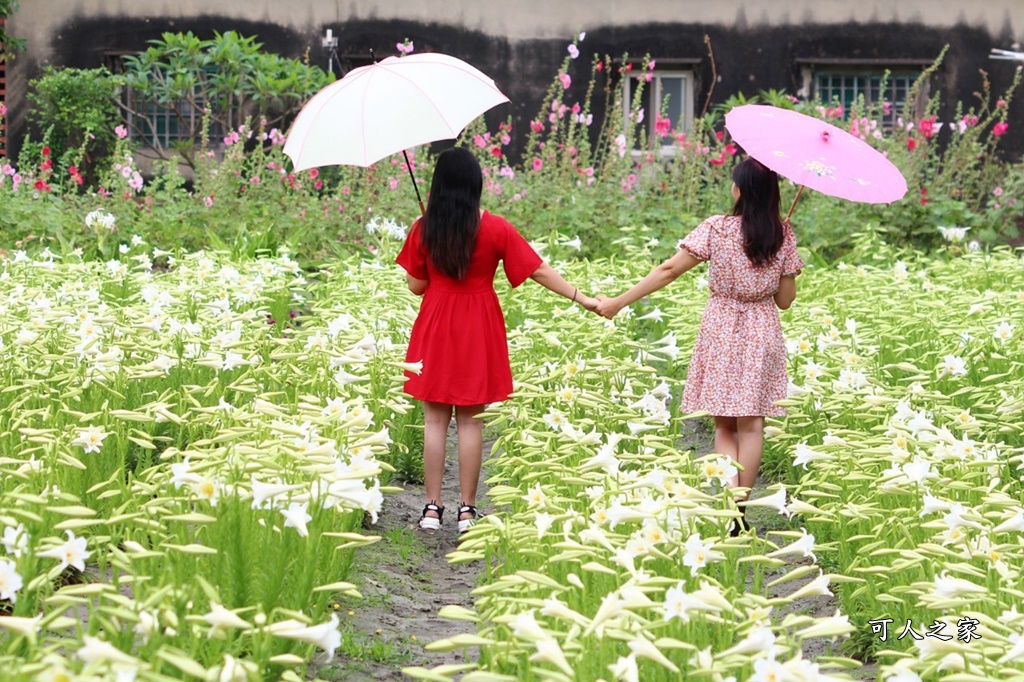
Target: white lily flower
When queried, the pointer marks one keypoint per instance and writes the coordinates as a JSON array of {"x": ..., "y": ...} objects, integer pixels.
[
  {"x": 90, "y": 439},
  {"x": 525, "y": 626},
  {"x": 1016, "y": 652},
  {"x": 221, "y": 619},
  {"x": 98, "y": 651},
  {"x": 625, "y": 669},
  {"x": 70, "y": 553},
  {"x": 760, "y": 638},
  {"x": 804, "y": 546},
  {"x": 1014, "y": 523},
  {"x": 776, "y": 501},
  {"x": 296, "y": 516},
  {"x": 816, "y": 588},
  {"x": 263, "y": 493},
  {"x": 642, "y": 647},
  {"x": 10, "y": 580},
  {"x": 805, "y": 455},
  {"x": 549, "y": 651},
  {"x": 325, "y": 636},
  {"x": 15, "y": 539},
  {"x": 951, "y": 588}
]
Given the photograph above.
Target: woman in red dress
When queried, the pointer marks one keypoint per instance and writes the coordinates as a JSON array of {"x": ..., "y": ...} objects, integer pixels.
[{"x": 450, "y": 256}]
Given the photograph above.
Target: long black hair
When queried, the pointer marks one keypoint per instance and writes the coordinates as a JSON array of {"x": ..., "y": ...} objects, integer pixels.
[
  {"x": 453, "y": 212},
  {"x": 758, "y": 205}
]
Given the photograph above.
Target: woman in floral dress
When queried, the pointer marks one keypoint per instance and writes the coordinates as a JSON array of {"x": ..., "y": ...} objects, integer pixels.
[{"x": 738, "y": 368}]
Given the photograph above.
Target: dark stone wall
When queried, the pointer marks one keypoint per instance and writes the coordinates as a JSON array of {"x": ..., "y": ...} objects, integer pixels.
[{"x": 747, "y": 58}]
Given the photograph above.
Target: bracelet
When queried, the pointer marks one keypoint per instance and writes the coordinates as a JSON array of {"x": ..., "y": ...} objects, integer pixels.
[{"x": 574, "y": 292}]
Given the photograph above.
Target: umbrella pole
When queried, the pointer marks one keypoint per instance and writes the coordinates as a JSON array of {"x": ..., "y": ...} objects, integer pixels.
[
  {"x": 416, "y": 187},
  {"x": 795, "y": 199}
]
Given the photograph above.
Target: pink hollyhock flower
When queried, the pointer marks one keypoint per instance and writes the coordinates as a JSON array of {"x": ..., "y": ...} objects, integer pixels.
[
  {"x": 927, "y": 127},
  {"x": 537, "y": 164},
  {"x": 1000, "y": 103},
  {"x": 208, "y": 201},
  {"x": 574, "y": 51},
  {"x": 393, "y": 183},
  {"x": 662, "y": 126},
  {"x": 479, "y": 141},
  {"x": 566, "y": 80},
  {"x": 1000, "y": 128},
  {"x": 998, "y": 191},
  {"x": 121, "y": 132}
]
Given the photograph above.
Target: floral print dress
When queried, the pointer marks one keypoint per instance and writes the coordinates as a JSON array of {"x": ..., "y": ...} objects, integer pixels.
[{"x": 738, "y": 367}]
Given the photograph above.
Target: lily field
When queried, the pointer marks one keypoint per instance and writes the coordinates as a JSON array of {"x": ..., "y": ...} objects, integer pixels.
[
  {"x": 202, "y": 416},
  {"x": 190, "y": 452}
]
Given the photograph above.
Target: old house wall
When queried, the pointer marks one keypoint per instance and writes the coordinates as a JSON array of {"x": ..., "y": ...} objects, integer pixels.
[{"x": 768, "y": 44}]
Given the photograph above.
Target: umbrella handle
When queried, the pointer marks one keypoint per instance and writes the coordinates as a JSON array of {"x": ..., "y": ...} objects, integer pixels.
[
  {"x": 416, "y": 187},
  {"x": 795, "y": 199}
]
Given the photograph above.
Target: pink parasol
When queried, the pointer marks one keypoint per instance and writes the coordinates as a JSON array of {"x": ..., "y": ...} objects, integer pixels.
[{"x": 815, "y": 154}]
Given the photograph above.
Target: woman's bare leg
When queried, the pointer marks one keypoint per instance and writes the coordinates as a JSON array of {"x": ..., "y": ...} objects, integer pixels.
[
  {"x": 726, "y": 441},
  {"x": 750, "y": 432},
  {"x": 471, "y": 450},
  {"x": 436, "y": 417}
]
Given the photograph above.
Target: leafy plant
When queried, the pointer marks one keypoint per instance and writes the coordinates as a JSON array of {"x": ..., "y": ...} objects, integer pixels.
[
  {"x": 75, "y": 113},
  {"x": 209, "y": 87}
]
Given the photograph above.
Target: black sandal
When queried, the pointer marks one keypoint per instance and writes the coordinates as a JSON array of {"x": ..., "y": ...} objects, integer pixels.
[
  {"x": 739, "y": 525},
  {"x": 466, "y": 524},
  {"x": 429, "y": 522}
]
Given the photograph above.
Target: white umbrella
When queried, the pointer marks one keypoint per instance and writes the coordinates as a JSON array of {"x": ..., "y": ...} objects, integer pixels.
[{"x": 385, "y": 108}]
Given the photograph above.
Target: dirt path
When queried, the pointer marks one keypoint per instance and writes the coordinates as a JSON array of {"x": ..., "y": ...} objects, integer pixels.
[
  {"x": 764, "y": 521},
  {"x": 405, "y": 580}
]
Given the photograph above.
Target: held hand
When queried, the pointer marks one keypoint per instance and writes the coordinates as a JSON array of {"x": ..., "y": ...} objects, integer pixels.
[
  {"x": 588, "y": 302},
  {"x": 606, "y": 307}
]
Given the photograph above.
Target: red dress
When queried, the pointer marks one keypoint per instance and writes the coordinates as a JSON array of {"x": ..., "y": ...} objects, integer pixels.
[{"x": 459, "y": 334}]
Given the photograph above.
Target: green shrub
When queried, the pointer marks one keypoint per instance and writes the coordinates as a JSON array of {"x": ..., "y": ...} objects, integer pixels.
[{"x": 75, "y": 114}]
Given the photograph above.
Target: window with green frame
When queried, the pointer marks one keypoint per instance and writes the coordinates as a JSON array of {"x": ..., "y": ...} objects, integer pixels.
[
  {"x": 845, "y": 87},
  {"x": 167, "y": 121}
]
